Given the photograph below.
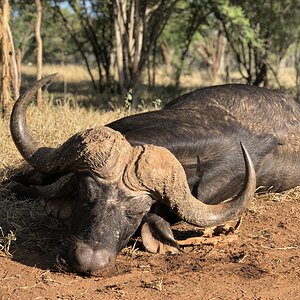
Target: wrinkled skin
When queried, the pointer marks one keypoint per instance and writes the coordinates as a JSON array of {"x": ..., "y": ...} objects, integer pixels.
[
  {"x": 95, "y": 217},
  {"x": 106, "y": 209}
]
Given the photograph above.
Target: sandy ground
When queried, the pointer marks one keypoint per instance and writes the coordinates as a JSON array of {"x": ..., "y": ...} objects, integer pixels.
[{"x": 261, "y": 260}]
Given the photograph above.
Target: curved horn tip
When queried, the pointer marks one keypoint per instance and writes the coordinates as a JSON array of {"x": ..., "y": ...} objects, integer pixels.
[
  {"x": 205, "y": 215},
  {"x": 51, "y": 77},
  {"x": 248, "y": 160},
  {"x": 46, "y": 79},
  {"x": 244, "y": 148},
  {"x": 20, "y": 133}
]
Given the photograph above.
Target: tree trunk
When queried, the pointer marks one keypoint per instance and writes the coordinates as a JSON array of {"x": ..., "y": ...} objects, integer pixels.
[
  {"x": 223, "y": 56},
  {"x": 138, "y": 24},
  {"x": 14, "y": 74},
  {"x": 5, "y": 96},
  {"x": 166, "y": 57},
  {"x": 39, "y": 60},
  {"x": 261, "y": 69},
  {"x": 19, "y": 66},
  {"x": 297, "y": 69},
  {"x": 78, "y": 44},
  {"x": 119, "y": 31}
]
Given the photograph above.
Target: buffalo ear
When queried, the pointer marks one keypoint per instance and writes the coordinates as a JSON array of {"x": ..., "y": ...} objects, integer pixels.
[
  {"x": 157, "y": 235},
  {"x": 23, "y": 190},
  {"x": 34, "y": 177}
]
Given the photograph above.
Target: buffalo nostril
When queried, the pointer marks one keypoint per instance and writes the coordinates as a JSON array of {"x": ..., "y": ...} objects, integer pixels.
[
  {"x": 60, "y": 260},
  {"x": 61, "y": 263}
]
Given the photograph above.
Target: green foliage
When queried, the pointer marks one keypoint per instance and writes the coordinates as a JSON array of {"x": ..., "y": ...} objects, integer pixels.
[
  {"x": 266, "y": 29},
  {"x": 128, "y": 100},
  {"x": 181, "y": 30},
  {"x": 277, "y": 21},
  {"x": 240, "y": 23},
  {"x": 57, "y": 45},
  {"x": 157, "y": 103},
  {"x": 259, "y": 36},
  {"x": 23, "y": 35},
  {"x": 174, "y": 32}
]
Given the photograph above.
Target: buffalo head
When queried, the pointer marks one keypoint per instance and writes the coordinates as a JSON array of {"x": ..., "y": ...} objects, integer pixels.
[{"x": 114, "y": 185}]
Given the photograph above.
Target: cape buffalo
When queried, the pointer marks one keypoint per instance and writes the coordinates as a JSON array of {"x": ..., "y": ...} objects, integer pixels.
[{"x": 184, "y": 160}]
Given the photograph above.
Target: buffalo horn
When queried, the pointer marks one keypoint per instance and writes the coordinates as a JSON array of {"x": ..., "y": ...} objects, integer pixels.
[
  {"x": 101, "y": 149},
  {"x": 159, "y": 172},
  {"x": 28, "y": 147}
]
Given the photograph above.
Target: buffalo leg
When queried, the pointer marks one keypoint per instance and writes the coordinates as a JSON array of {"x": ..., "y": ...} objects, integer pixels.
[{"x": 157, "y": 235}]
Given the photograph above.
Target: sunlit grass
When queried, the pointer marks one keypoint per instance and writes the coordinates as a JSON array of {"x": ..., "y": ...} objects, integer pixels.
[
  {"x": 189, "y": 79},
  {"x": 69, "y": 73}
]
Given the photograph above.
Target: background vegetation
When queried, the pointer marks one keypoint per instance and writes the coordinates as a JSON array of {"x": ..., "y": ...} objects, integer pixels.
[{"x": 140, "y": 51}]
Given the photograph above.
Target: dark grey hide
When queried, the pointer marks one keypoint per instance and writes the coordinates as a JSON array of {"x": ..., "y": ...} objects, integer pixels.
[{"x": 209, "y": 123}]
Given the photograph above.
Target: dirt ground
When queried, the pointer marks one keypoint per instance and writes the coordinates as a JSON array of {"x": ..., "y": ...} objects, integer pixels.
[{"x": 260, "y": 261}]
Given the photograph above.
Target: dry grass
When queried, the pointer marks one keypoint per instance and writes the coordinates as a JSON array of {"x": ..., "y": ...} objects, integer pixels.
[
  {"x": 70, "y": 73},
  {"x": 189, "y": 79}
]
